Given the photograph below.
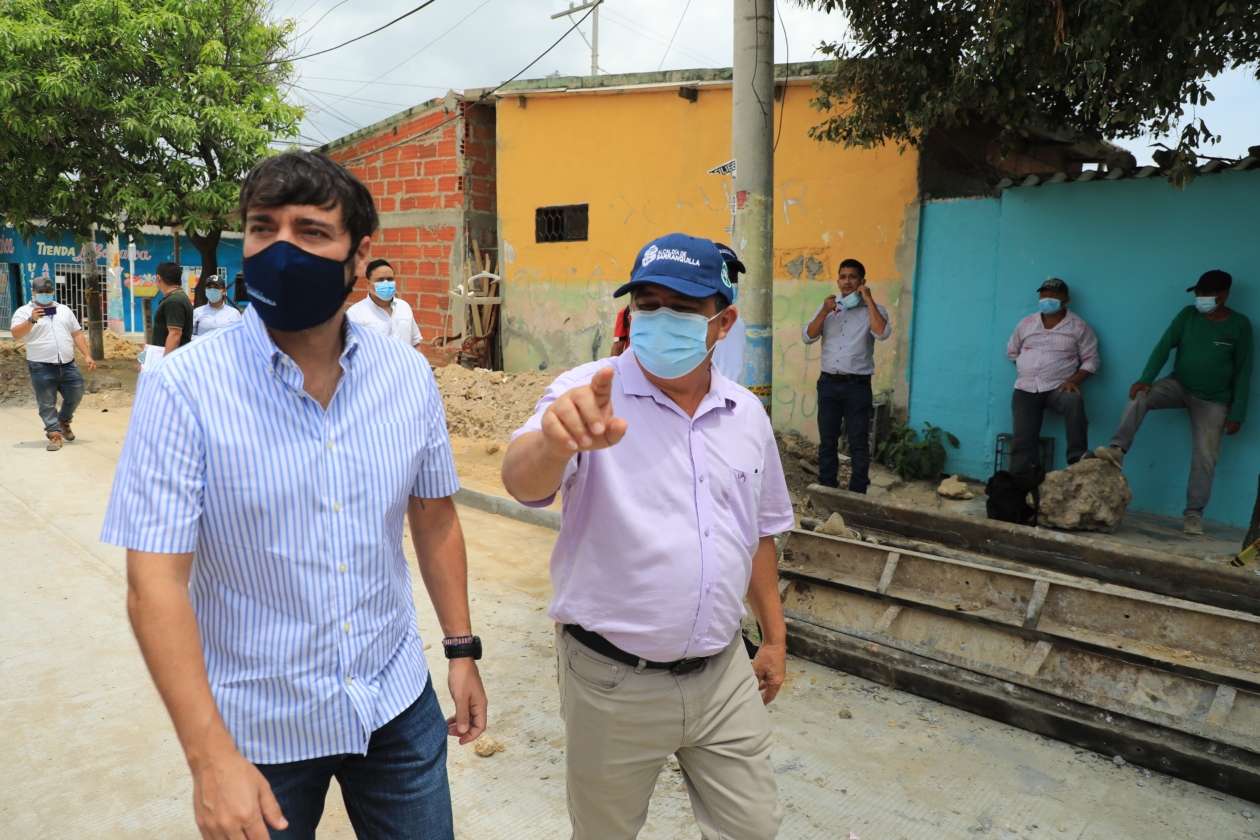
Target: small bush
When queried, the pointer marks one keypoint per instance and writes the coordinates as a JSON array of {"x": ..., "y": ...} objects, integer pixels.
[{"x": 910, "y": 457}]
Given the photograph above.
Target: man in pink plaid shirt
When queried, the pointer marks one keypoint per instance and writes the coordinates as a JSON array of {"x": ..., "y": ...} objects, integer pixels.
[{"x": 1054, "y": 351}]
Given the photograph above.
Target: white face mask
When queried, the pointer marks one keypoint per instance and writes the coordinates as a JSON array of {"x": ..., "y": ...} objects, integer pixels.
[{"x": 1206, "y": 305}]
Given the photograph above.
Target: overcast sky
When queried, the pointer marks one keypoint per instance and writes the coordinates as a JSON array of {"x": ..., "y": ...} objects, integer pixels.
[{"x": 458, "y": 44}]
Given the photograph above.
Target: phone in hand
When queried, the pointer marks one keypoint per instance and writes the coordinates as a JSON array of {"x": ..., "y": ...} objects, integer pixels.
[{"x": 49, "y": 311}]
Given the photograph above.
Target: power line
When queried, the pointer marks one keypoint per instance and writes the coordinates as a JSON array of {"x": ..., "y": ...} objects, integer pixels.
[
  {"x": 787, "y": 69},
  {"x": 652, "y": 35},
  {"x": 478, "y": 100},
  {"x": 344, "y": 43},
  {"x": 675, "y": 35},
  {"x": 311, "y": 28}
]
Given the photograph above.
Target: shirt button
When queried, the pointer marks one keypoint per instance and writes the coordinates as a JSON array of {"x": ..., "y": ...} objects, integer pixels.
[
  {"x": 349, "y": 680},
  {"x": 342, "y": 568},
  {"x": 336, "y": 507},
  {"x": 702, "y": 479},
  {"x": 329, "y": 445},
  {"x": 346, "y": 627},
  {"x": 706, "y": 532}
]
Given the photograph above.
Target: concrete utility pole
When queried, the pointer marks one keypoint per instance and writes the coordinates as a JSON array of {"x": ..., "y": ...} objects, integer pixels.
[
  {"x": 594, "y": 29},
  {"x": 752, "y": 141}
]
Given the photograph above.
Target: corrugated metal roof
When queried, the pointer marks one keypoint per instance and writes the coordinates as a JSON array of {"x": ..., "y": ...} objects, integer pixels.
[{"x": 1212, "y": 167}]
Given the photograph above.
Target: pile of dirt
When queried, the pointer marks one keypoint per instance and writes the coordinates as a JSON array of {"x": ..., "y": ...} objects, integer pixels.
[
  {"x": 15, "y": 381},
  {"x": 117, "y": 347},
  {"x": 800, "y": 466},
  {"x": 489, "y": 404}
]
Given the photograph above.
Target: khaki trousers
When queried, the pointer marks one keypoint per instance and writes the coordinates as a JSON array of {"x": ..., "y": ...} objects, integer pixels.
[{"x": 622, "y": 724}]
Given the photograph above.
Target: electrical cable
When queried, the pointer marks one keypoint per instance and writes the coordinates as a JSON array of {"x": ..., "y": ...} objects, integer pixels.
[
  {"x": 787, "y": 71},
  {"x": 485, "y": 95},
  {"x": 675, "y": 35},
  {"x": 403, "y": 16},
  {"x": 311, "y": 28},
  {"x": 652, "y": 35}
]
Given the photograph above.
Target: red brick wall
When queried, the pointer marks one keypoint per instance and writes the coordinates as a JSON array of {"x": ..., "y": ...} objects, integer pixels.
[{"x": 437, "y": 166}]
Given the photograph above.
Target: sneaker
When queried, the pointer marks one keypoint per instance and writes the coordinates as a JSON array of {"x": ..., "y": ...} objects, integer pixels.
[
  {"x": 1194, "y": 525},
  {"x": 54, "y": 441},
  {"x": 66, "y": 432},
  {"x": 1114, "y": 454}
]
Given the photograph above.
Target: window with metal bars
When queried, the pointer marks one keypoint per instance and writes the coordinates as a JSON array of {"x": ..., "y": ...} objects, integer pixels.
[{"x": 561, "y": 223}]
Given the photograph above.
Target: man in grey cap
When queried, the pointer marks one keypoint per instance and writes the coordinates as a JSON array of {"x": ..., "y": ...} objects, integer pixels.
[
  {"x": 51, "y": 333},
  {"x": 1211, "y": 379},
  {"x": 1054, "y": 351}
]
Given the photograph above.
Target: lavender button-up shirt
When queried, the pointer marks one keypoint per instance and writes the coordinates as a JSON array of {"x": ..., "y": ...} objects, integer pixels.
[{"x": 658, "y": 532}]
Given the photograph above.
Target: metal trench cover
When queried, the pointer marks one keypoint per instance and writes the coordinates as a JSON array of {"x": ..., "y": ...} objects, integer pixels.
[{"x": 1172, "y": 663}]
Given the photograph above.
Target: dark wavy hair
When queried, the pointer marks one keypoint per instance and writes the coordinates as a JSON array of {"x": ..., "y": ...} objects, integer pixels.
[{"x": 310, "y": 178}]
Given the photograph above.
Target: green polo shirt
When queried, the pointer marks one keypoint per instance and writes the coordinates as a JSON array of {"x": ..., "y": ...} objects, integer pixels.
[
  {"x": 174, "y": 310},
  {"x": 1213, "y": 358}
]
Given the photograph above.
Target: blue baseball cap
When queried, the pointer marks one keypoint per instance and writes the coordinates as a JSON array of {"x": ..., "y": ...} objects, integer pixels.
[
  {"x": 734, "y": 265},
  {"x": 687, "y": 264}
]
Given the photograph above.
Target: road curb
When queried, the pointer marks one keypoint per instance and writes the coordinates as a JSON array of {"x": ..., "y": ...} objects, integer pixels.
[{"x": 507, "y": 507}]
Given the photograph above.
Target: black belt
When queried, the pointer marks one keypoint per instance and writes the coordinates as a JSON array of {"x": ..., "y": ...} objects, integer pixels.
[
  {"x": 847, "y": 377},
  {"x": 600, "y": 645}
]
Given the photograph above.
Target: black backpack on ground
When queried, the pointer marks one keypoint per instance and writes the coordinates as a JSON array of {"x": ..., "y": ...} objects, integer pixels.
[{"x": 1008, "y": 495}]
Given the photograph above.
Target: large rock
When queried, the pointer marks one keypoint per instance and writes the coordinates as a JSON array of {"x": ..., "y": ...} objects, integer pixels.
[{"x": 1090, "y": 495}]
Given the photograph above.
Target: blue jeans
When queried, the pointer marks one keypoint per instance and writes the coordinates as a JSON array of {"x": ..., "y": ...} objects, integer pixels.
[
  {"x": 50, "y": 378},
  {"x": 398, "y": 790},
  {"x": 847, "y": 405}
]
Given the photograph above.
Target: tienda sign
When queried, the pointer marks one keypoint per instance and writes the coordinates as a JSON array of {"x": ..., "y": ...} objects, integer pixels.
[{"x": 6, "y": 245}]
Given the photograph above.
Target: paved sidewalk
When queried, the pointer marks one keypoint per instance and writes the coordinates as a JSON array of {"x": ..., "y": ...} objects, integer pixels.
[{"x": 92, "y": 753}]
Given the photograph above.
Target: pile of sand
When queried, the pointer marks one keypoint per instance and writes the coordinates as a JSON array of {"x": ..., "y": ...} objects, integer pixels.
[
  {"x": 15, "y": 381},
  {"x": 117, "y": 347},
  {"x": 489, "y": 404}
]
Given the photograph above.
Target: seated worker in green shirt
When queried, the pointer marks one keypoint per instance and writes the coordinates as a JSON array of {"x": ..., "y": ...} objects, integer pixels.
[{"x": 1210, "y": 377}]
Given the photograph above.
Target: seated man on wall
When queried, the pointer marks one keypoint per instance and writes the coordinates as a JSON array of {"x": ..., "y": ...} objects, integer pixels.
[
  {"x": 1211, "y": 377},
  {"x": 1054, "y": 351}
]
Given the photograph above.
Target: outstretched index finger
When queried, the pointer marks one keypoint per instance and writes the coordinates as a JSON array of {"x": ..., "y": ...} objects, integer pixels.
[{"x": 601, "y": 386}]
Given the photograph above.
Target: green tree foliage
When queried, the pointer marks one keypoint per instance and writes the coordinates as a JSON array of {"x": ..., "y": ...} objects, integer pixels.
[
  {"x": 1101, "y": 69},
  {"x": 122, "y": 113}
]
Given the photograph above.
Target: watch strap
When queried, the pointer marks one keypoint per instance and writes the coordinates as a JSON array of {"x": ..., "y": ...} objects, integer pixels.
[{"x": 462, "y": 647}]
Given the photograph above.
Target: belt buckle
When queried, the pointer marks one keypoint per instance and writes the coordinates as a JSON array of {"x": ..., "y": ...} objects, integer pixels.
[{"x": 686, "y": 666}]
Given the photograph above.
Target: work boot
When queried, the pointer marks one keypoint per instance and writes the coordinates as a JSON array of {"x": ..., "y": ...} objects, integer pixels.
[
  {"x": 54, "y": 441},
  {"x": 1194, "y": 525},
  {"x": 1112, "y": 454},
  {"x": 66, "y": 432}
]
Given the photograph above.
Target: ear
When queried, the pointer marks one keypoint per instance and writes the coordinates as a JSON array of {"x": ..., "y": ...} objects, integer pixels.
[
  {"x": 727, "y": 321},
  {"x": 362, "y": 257}
]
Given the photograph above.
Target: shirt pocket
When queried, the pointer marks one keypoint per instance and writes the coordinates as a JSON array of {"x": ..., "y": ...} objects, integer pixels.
[{"x": 743, "y": 502}]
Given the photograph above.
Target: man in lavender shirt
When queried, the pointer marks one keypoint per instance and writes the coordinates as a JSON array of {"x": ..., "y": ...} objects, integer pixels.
[
  {"x": 673, "y": 492},
  {"x": 1054, "y": 351}
]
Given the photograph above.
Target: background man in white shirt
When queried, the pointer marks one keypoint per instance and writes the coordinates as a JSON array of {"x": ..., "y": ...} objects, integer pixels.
[
  {"x": 381, "y": 311},
  {"x": 52, "y": 332},
  {"x": 216, "y": 313}
]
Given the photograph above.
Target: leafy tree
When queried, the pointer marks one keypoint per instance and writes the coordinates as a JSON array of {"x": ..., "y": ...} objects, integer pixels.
[
  {"x": 1101, "y": 69},
  {"x": 122, "y": 113}
]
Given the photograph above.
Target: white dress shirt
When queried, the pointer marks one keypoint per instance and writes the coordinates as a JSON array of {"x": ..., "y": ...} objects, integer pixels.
[
  {"x": 208, "y": 318},
  {"x": 51, "y": 338},
  {"x": 728, "y": 354},
  {"x": 400, "y": 321}
]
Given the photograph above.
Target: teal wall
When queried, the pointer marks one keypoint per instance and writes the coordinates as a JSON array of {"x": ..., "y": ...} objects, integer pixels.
[{"x": 1128, "y": 249}]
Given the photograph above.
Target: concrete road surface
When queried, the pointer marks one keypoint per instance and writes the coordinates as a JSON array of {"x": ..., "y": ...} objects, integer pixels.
[{"x": 91, "y": 753}]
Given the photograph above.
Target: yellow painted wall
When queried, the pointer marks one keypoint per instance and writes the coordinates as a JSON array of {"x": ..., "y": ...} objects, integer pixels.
[{"x": 639, "y": 158}]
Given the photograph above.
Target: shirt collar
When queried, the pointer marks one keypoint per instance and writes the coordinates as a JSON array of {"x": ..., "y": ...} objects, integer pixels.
[
  {"x": 262, "y": 343},
  {"x": 636, "y": 384}
]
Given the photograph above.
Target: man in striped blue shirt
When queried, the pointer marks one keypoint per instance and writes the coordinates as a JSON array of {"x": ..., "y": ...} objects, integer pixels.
[{"x": 262, "y": 504}]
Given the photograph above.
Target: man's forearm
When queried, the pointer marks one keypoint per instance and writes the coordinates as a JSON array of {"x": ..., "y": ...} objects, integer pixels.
[
  {"x": 1080, "y": 376},
  {"x": 878, "y": 322},
  {"x": 165, "y": 626},
  {"x": 172, "y": 340},
  {"x": 763, "y": 593},
  {"x": 439, "y": 543},
  {"x": 20, "y": 330},
  {"x": 81, "y": 343},
  {"x": 816, "y": 325},
  {"x": 531, "y": 471}
]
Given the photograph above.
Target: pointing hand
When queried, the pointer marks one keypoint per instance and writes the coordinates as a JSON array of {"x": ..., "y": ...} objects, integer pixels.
[{"x": 582, "y": 418}]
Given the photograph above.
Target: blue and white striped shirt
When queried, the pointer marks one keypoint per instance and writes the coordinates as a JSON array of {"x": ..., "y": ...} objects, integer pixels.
[{"x": 295, "y": 514}]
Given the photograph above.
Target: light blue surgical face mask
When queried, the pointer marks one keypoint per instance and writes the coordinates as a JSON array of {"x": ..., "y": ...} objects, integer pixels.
[
  {"x": 45, "y": 299},
  {"x": 214, "y": 295},
  {"x": 1206, "y": 305},
  {"x": 851, "y": 300},
  {"x": 385, "y": 289},
  {"x": 669, "y": 344},
  {"x": 1049, "y": 306}
]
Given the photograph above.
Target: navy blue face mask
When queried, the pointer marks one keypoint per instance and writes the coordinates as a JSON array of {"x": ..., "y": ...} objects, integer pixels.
[{"x": 292, "y": 289}]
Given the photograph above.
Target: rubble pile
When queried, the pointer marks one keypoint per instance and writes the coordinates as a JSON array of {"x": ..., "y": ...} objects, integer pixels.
[
  {"x": 15, "y": 381},
  {"x": 117, "y": 347},
  {"x": 489, "y": 404}
]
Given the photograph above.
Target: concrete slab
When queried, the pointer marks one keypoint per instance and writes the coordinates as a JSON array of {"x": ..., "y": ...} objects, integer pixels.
[{"x": 92, "y": 753}]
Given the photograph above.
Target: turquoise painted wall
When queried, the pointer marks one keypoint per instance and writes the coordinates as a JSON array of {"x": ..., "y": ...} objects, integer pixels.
[{"x": 1128, "y": 249}]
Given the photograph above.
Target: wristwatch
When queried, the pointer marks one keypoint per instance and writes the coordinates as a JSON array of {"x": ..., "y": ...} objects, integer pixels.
[{"x": 462, "y": 647}]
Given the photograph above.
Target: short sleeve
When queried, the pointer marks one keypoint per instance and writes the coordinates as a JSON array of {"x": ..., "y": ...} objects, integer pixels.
[
  {"x": 177, "y": 317},
  {"x": 159, "y": 487},
  {"x": 19, "y": 316},
  {"x": 416, "y": 338},
  {"x": 775, "y": 515},
  {"x": 437, "y": 477},
  {"x": 75, "y": 326}
]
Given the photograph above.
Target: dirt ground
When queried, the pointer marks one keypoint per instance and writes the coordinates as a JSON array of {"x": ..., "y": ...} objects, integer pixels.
[{"x": 92, "y": 752}]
